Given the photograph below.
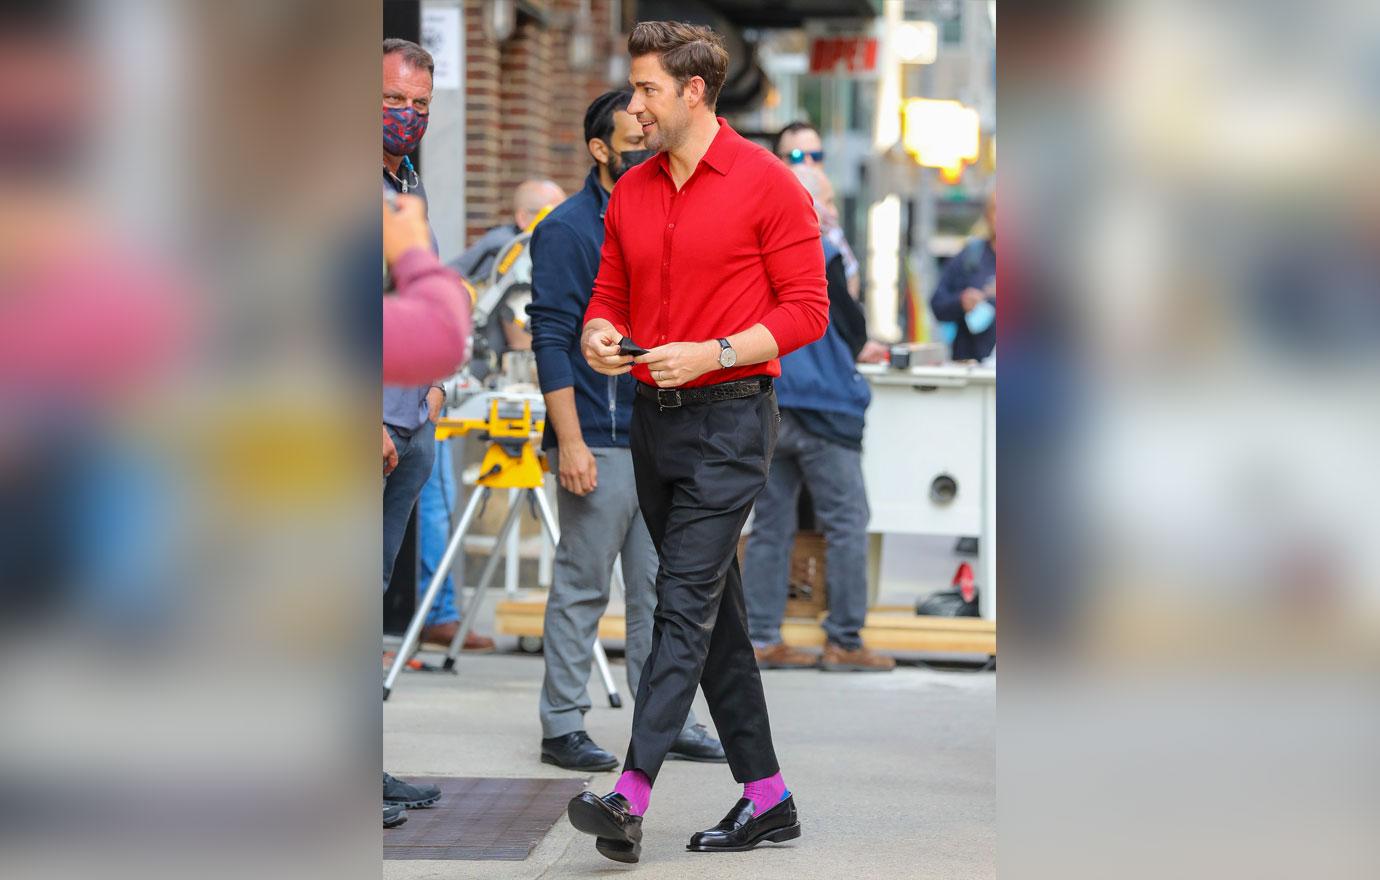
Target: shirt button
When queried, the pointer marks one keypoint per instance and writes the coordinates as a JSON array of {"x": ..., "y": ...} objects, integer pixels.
[{"x": 670, "y": 226}]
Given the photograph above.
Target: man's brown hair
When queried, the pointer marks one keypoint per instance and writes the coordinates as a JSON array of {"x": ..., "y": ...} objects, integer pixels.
[
  {"x": 412, "y": 54},
  {"x": 686, "y": 50}
]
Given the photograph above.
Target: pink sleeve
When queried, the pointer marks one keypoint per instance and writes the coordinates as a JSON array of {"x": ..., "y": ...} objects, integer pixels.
[{"x": 426, "y": 322}]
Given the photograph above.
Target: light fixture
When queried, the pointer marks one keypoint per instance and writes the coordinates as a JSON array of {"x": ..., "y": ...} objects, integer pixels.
[
  {"x": 500, "y": 19},
  {"x": 917, "y": 42}
]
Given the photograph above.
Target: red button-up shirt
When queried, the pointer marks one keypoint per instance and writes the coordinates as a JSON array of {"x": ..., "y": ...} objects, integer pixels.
[{"x": 738, "y": 245}]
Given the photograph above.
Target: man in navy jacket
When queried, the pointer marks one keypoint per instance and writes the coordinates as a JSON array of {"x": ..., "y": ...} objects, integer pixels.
[{"x": 587, "y": 421}]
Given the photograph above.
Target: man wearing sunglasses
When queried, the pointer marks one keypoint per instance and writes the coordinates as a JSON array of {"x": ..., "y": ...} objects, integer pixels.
[{"x": 799, "y": 144}]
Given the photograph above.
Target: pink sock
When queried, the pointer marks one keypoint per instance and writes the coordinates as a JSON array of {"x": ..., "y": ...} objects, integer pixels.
[
  {"x": 766, "y": 793},
  {"x": 637, "y": 788}
]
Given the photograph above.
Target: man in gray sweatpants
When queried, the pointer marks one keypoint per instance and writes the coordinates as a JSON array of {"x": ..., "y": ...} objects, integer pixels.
[{"x": 587, "y": 422}]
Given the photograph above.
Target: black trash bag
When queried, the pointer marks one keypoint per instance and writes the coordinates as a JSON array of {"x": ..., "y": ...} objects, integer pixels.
[{"x": 947, "y": 603}]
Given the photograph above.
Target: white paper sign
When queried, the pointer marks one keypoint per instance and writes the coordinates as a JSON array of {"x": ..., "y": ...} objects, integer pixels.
[{"x": 441, "y": 37}]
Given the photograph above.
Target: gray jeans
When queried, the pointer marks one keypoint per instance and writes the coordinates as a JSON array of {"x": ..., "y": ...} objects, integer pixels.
[
  {"x": 833, "y": 474},
  {"x": 595, "y": 529}
]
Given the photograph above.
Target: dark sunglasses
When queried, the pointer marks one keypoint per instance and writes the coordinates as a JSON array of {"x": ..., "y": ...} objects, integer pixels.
[{"x": 795, "y": 157}]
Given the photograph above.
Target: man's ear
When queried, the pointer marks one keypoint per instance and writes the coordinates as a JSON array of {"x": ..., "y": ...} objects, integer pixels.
[
  {"x": 694, "y": 91},
  {"x": 599, "y": 150}
]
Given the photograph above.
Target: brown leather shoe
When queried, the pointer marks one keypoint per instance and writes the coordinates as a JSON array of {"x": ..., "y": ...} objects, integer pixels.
[
  {"x": 839, "y": 659},
  {"x": 783, "y": 656},
  {"x": 442, "y": 634}
]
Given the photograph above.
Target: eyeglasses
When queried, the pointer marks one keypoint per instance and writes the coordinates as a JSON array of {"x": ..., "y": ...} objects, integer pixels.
[{"x": 795, "y": 157}]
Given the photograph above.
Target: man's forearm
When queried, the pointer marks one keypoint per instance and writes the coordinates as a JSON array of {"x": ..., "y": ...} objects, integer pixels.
[
  {"x": 561, "y": 413},
  {"x": 755, "y": 345}
]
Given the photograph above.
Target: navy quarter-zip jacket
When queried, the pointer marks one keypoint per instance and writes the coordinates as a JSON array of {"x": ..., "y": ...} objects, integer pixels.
[{"x": 565, "y": 259}]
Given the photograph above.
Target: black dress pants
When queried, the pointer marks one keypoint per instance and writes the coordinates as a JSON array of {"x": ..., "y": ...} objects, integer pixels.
[{"x": 698, "y": 469}]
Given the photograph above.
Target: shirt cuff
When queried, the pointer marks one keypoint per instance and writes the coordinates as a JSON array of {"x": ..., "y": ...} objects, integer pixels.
[
  {"x": 783, "y": 330},
  {"x": 597, "y": 310},
  {"x": 553, "y": 369}
]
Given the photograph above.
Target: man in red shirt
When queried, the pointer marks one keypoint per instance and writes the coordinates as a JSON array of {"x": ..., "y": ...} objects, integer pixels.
[{"x": 711, "y": 258}]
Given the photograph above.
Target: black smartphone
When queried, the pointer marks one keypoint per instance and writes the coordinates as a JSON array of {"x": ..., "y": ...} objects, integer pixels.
[{"x": 628, "y": 348}]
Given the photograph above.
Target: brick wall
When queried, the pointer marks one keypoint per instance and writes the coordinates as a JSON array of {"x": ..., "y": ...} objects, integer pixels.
[{"x": 525, "y": 106}]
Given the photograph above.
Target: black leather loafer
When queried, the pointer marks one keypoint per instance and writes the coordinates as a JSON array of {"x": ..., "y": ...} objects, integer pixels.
[
  {"x": 576, "y": 751},
  {"x": 617, "y": 833},
  {"x": 696, "y": 744},
  {"x": 741, "y": 829}
]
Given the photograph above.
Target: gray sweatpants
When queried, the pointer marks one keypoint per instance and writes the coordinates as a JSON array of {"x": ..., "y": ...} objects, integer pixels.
[{"x": 595, "y": 529}]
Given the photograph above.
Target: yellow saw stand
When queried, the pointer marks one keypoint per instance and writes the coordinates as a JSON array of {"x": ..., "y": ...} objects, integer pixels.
[{"x": 511, "y": 462}]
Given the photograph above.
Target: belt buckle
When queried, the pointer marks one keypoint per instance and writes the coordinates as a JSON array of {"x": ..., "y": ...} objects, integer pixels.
[{"x": 665, "y": 395}]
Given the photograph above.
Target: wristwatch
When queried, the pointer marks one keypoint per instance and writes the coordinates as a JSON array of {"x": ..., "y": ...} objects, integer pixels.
[{"x": 727, "y": 356}]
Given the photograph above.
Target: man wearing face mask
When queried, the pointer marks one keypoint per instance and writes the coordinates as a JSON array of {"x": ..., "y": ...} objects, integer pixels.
[
  {"x": 409, "y": 412},
  {"x": 587, "y": 424}
]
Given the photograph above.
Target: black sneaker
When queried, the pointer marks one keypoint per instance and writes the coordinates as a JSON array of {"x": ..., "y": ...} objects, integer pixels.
[
  {"x": 405, "y": 794},
  {"x": 393, "y": 815}
]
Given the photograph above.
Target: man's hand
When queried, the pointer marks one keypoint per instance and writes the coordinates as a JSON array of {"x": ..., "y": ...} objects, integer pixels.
[
  {"x": 873, "y": 352},
  {"x": 390, "y": 453},
  {"x": 676, "y": 363},
  {"x": 600, "y": 346},
  {"x": 970, "y": 298},
  {"x": 404, "y": 228},
  {"x": 579, "y": 471},
  {"x": 435, "y": 399}
]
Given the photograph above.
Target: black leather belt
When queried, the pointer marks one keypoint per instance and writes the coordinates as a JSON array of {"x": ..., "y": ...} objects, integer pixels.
[{"x": 670, "y": 398}]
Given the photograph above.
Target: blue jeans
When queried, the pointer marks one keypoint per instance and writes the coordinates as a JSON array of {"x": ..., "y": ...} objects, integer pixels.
[
  {"x": 416, "y": 450},
  {"x": 833, "y": 474},
  {"x": 434, "y": 509}
]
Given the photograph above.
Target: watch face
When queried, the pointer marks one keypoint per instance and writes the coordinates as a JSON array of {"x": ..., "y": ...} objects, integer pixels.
[{"x": 728, "y": 357}]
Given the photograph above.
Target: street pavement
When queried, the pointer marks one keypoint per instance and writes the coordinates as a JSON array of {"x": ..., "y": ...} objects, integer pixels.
[{"x": 894, "y": 774}]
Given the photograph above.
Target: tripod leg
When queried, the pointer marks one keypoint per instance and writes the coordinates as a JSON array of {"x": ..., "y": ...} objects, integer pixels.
[
  {"x": 509, "y": 523},
  {"x": 600, "y": 658},
  {"x": 414, "y": 627},
  {"x": 602, "y": 661},
  {"x": 511, "y": 559}
]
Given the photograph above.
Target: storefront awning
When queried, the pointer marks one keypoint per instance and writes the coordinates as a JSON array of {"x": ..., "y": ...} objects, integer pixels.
[{"x": 792, "y": 13}]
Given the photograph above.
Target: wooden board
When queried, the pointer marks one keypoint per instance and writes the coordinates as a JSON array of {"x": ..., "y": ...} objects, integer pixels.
[{"x": 888, "y": 628}]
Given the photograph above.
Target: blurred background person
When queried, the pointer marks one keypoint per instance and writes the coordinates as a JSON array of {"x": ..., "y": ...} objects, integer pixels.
[
  {"x": 530, "y": 198},
  {"x": 799, "y": 144},
  {"x": 823, "y": 402},
  {"x": 436, "y": 503},
  {"x": 587, "y": 422},
  {"x": 966, "y": 296}
]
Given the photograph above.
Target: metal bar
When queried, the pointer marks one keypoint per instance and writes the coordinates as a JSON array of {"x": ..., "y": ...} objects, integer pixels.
[
  {"x": 414, "y": 627},
  {"x": 477, "y": 599}
]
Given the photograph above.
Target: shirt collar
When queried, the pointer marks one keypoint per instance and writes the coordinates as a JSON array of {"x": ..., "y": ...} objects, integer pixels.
[
  {"x": 595, "y": 186},
  {"x": 722, "y": 152},
  {"x": 723, "y": 149}
]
